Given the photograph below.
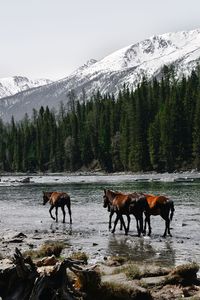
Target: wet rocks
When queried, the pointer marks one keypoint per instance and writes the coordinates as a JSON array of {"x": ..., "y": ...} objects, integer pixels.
[
  {"x": 162, "y": 283},
  {"x": 20, "y": 235},
  {"x": 25, "y": 180},
  {"x": 47, "y": 261},
  {"x": 11, "y": 237}
]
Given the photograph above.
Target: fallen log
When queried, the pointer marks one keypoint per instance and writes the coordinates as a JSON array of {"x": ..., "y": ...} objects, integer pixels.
[
  {"x": 17, "y": 281},
  {"x": 22, "y": 281}
]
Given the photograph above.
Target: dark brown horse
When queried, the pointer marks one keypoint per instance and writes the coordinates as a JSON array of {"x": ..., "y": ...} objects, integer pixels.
[
  {"x": 159, "y": 205},
  {"x": 120, "y": 206},
  {"x": 125, "y": 204},
  {"x": 58, "y": 199}
]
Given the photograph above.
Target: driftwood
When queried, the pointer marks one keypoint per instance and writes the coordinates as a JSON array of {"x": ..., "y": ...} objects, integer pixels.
[{"x": 22, "y": 281}]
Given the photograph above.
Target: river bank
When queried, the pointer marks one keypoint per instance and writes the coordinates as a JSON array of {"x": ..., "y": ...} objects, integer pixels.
[
  {"x": 83, "y": 176},
  {"x": 114, "y": 278}
]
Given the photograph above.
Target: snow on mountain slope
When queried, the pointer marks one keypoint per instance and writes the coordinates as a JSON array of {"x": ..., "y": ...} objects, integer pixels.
[
  {"x": 150, "y": 55},
  {"x": 13, "y": 85},
  {"x": 125, "y": 66}
]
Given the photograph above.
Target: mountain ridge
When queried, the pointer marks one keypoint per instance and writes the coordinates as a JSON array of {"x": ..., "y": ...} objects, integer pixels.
[
  {"x": 125, "y": 66},
  {"x": 10, "y": 86}
]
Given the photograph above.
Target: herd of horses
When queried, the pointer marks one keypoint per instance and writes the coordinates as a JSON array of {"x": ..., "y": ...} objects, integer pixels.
[{"x": 120, "y": 204}]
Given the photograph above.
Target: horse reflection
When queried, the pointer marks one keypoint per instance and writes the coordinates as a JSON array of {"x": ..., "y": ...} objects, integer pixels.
[{"x": 143, "y": 250}]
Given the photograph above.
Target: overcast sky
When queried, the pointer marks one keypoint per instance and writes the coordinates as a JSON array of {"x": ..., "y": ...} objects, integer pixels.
[{"x": 51, "y": 38}]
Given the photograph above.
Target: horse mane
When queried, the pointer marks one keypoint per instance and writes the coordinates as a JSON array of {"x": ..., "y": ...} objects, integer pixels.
[{"x": 115, "y": 193}]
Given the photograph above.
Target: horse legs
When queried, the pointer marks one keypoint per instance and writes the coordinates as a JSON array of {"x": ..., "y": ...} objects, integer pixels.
[
  {"x": 147, "y": 220},
  {"x": 128, "y": 225},
  {"x": 145, "y": 225},
  {"x": 137, "y": 225},
  {"x": 141, "y": 224},
  {"x": 51, "y": 213},
  {"x": 56, "y": 214},
  {"x": 115, "y": 223},
  {"x": 63, "y": 210},
  {"x": 165, "y": 232},
  {"x": 110, "y": 219},
  {"x": 70, "y": 213},
  {"x": 121, "y": 226},
  {"x": 167, "y": 225},
  {"x": 169, "y": 228},
  {"x": 119, "y": 217}
]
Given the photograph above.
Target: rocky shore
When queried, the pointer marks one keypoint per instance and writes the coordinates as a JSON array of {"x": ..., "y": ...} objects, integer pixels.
[{"x": 45, "y": 256}]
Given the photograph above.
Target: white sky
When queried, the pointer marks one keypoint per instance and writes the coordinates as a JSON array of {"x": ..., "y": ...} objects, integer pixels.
[{"x": 51, "y": 38}]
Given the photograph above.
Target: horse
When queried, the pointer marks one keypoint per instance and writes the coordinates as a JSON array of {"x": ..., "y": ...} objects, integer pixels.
[
  {"x": 58, "y": 199},
  {"x": 125, "y": 204},
  {"x": 159, "y": 205}
]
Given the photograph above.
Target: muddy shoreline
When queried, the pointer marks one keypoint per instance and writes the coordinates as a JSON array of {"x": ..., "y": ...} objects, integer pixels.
[{"x": 119, "y": 279}]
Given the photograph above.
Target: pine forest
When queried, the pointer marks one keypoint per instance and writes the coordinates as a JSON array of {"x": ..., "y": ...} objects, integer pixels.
[{"x": 156, "y": 127}]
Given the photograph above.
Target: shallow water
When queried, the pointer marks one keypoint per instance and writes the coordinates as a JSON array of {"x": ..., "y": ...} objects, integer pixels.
[{"x": 21, "y": 209}]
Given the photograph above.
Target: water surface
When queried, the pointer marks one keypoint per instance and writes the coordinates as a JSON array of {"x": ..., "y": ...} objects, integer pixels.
[{"x": 21, "y": 209}]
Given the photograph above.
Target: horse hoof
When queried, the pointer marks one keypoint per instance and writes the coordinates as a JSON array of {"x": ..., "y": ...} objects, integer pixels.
[{"x": 112, "y": 231}]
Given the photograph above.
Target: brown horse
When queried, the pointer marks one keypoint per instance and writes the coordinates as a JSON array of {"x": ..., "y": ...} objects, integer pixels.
[
  {"x": 120, "y": 206},
  {"x": 58, "y": 199},
  {"x": 125, "y": 204},
  {"x": 159, "y": 205}
]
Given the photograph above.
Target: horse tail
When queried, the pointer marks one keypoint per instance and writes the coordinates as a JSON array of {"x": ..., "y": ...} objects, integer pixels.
[
  {"x": 68, "y": 200},
  {"x": 171, "y": 206}
]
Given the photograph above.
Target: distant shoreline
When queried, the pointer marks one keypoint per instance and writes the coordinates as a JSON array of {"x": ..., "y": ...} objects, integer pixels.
[{"x": 87, "y": 173}]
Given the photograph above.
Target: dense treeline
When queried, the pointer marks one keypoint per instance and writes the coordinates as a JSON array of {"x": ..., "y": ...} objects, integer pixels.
[{"x": 155, "y": 127}]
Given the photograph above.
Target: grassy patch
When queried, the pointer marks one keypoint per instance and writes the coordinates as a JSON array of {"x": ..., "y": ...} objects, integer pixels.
[
  {"x": 47, "y": 249},
  {"x": 184, "y": 274},
  {"x": 116, "y": 291},
  {"x": 120, "y": 260},
  {"x": 79, "y": 256},
  {"x": 133, "y": 272},
  {"x": 186, "y": 270}
]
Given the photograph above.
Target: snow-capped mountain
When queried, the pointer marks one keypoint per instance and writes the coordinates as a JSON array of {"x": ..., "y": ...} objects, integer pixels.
[
  {"x": 13, "y": 85},
  {"x": 127, "y": 65}
]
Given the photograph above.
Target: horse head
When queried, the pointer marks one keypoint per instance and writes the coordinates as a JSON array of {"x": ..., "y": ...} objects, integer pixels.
[
  {"x": 46, "y": 197},
  {"x": 108, "y": 198},
  {"x": 105, "y": 199}
]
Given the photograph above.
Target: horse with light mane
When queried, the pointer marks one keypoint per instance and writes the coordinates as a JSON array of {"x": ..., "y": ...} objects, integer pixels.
[{"x": 58, "y": 199}]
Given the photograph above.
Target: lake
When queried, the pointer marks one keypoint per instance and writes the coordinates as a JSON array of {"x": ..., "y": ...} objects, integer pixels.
[{"x": 21, "y": 210}]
